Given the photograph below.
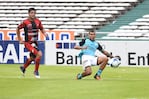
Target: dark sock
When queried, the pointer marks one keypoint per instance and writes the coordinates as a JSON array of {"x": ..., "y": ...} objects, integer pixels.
[
  {"x": 99, "y": 72},
  {"x": 37, "y": 62},
  {"x": 79, "y": 76}
]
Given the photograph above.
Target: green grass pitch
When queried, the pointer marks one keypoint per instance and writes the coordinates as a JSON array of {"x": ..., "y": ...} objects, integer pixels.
[{"x": 59, "y": 82}]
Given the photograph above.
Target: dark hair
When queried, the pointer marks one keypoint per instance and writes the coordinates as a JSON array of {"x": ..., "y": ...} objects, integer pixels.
[
  {"x": 31, "y": 9},
  {"x": 91, "y": 31}
]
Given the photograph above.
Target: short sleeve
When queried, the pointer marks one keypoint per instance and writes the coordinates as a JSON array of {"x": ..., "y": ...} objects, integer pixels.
[
  {"x": 81, "y": 43},
  {"x": 40, "y": 25},
  {"x": 99, "y": 47},
  {"x": 21, "y": 25}
]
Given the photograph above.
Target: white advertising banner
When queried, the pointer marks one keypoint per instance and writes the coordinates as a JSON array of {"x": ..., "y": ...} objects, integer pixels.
[
  {"x": 61, "y": 53},
  {"x": 132, "y": 53}
]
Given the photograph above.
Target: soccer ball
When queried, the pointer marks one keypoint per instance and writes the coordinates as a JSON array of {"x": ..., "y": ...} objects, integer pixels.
[{"x": 114, "y": 62}]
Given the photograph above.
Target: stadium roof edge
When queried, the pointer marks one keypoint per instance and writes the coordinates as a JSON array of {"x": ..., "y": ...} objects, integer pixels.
[{"x": 72, "y": 0}]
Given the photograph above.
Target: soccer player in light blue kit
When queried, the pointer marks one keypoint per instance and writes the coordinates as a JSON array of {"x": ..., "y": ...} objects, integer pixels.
[{"x": 88, "y": 48}]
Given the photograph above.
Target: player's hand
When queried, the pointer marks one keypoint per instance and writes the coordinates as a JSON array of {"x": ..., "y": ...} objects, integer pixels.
[
  {"x": 118, "y": 57},
  {"x": 21, "y": 42},
  {"x": 45, "y": 34}
]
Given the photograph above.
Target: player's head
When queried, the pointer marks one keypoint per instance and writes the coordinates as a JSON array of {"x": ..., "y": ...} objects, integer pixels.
[
  {"x": 32, "y": 13},
  {"x": 92, "y": 35}
]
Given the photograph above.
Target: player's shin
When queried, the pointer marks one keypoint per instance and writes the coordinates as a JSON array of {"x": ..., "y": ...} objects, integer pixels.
[
  {"x": 99, "y": 72},
  {"x": 37, "y": 62},
  {"x": 97, "y": 75},
  {"x": 27, "y": 63}
]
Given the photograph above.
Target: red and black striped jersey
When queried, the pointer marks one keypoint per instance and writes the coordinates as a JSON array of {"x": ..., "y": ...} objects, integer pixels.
[{"x": 31, "y": 29}]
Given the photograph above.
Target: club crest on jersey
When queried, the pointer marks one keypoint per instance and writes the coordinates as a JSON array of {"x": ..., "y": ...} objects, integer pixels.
[{"x": 29, "y": 26}]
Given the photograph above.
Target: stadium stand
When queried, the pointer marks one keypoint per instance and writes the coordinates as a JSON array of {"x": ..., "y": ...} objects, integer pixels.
[
  {"x": 134, "y": 24},
  {"x": 78, "y": 15}
]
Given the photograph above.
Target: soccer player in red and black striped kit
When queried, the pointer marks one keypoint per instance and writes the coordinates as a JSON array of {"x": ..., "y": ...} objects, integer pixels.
[{"x": 31, "y": 26}]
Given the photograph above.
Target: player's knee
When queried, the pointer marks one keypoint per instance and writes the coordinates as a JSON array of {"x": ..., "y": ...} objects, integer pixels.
[
  {"x": 32, "y": 58},
  {"x": 102, "y": 59},
  {"x": 105, "y": 59},
  {"x": 88, "y": 72},
  {"x": 39, "y": 54}
]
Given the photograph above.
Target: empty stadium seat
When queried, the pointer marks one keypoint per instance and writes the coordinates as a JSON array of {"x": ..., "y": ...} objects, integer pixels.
[
  {"x": 64, "y": 14},
  {"x": 138, "y": 28}
]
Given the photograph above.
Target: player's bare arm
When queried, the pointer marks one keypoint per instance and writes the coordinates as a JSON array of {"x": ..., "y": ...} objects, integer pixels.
[
  {"x": 18, "y": 35},
  {"x": 44, "y": 32}
]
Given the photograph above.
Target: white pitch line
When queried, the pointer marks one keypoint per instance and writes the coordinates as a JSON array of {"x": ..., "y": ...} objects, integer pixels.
[{"x": 122, "y": 79}]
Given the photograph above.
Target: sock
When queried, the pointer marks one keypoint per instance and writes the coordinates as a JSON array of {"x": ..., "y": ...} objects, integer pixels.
[
  {"x": 99, "y": 72},
  {"x": 37, "y": 62},
  {"x": 27, "y": 63},
  {"x": 79, "y": 76}
]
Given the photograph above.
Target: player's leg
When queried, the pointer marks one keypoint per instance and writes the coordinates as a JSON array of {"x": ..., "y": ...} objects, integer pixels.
[
  {"x": 102, "y": 60},
  {"x": 38, "y": 54},
  {"x": 86, "y": 67},
  {"x": 26, "y": 64},
  {"x": 87, "y": 72},
  {"x": 37, "y": 63},
  {"x": 29, "y": 60}
]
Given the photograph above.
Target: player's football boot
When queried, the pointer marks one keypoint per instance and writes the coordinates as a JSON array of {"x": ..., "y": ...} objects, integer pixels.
[
  {"x": 22, "y": 70},
  {"x": 36, "y": 73},
  {"x": 79, "y": 76},
  {"x": 97, "y": 77}
]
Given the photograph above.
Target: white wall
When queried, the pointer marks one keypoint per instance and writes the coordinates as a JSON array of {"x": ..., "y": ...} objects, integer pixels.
[{"x": 133, "y": 53}]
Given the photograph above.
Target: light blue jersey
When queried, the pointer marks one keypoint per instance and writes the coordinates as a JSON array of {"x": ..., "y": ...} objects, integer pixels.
[{"x": 92, "y": 46}]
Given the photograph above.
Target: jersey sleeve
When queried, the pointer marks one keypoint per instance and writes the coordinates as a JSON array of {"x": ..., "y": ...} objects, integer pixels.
[
  {"x": 81, "y": 43},
  {"x": 21, "y": 25},
  {"x": 40, "y": 25},
  {"x": 99, "y": 47}
]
